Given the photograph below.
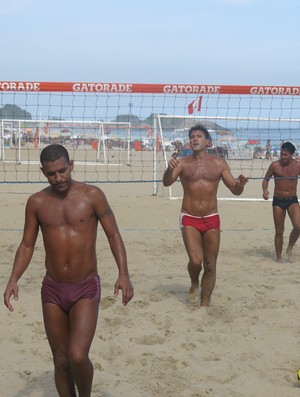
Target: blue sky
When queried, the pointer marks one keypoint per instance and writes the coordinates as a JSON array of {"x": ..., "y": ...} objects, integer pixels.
[{"x": 238, "y": 42}]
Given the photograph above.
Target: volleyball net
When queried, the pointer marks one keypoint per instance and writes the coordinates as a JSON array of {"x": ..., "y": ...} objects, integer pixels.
[{"x": 126, "y": 133}]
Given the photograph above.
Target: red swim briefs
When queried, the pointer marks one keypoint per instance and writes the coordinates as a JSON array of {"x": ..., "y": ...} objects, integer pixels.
[{"x": 201, "y": 223}]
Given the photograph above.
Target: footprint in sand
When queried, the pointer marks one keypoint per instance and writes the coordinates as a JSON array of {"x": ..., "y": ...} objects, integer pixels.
[{"x": 106, "y": 302}]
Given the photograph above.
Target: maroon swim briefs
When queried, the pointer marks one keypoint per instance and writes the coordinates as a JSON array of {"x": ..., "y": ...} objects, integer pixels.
[{"x": 65, "y": 295}]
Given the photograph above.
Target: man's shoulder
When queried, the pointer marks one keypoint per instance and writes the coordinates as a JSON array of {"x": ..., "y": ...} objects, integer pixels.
[
  {"x": 275, "y": 164},
  {"x": 39, "y": 195},
  {"x": 217, "y": 161},
  {"x": 37, "y": 199},
  {"x": 84, "y": 186},
  {"x": 207, "y": 158},
  {"x": 87, "y": 189}
]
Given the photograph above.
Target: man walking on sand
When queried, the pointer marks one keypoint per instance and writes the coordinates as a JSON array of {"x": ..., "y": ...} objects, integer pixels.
[
  {"x": 68, "y": 212},
  {"x": 200, "y": 175},
  {"x": 285, "y": 172}
]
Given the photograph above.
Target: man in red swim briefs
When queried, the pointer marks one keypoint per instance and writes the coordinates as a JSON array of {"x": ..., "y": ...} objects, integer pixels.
[
  {"x": 200, "y": 175},
  {"x": 68, "y": 212}
]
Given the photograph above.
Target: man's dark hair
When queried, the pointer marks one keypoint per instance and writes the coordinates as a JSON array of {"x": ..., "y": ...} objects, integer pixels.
[
  {"x": 289, "y": 147},
  {"x": 54, "y": 152},
  {"x": 200, "y": 127}
]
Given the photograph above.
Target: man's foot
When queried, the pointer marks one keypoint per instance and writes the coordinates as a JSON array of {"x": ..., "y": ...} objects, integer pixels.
[
  {"x": 290, "y": 255},
  {"x": 194, "y": 295},
  {"x": 204, "y": 304},
  {"x": 279, "y": 260}
]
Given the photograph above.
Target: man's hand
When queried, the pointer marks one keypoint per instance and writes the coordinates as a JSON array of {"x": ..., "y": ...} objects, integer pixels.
[
  {"x": 124, "y": 284},
  {"x": 266, "y": 194},
  {"x": 12, "y": 289},
  {"x": 173, "y": 163},
  {"x": 242, "y": 180}
]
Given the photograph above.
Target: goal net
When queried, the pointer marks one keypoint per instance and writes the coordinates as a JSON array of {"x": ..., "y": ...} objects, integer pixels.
[{"x": 126, "y": 133}]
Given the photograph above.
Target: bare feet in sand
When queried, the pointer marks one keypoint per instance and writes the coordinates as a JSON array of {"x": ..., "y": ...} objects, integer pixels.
[
  {"x": 290, "y": 255},
  {"x": 194, "y": 295}
]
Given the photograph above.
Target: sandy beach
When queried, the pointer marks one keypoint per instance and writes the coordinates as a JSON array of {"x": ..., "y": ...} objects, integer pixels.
[{"x": 246, "y": 344}]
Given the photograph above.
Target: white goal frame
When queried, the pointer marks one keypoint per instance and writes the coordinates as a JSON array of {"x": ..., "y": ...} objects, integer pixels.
[
  {"x": 12, "y": 132},
  {"x": 159, "y": 135}
]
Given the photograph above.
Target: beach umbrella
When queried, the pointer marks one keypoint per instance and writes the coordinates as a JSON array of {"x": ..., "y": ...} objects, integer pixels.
[{"x": 66, "y": 134}]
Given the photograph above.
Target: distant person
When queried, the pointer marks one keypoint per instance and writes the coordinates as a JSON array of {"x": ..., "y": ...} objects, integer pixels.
[
  {"x": 268, "y": 150},
  {"x": 200, "y": 174},
  {"x": 68, "y": 212},
  {"x": 285, "y": 172}
]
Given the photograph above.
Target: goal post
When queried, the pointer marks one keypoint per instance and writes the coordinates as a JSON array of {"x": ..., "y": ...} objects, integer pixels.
[
  {"x": 19, "y": 138},
  {"x": 244, "y": 153},
  {"x": 127, "y": 132}
]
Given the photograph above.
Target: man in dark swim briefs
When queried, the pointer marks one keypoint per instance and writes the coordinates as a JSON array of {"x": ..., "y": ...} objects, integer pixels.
[
  {"x": 68, "y": 213},
  {"x": 200, "y": 175},
  {"x": 285, "y": 172}
]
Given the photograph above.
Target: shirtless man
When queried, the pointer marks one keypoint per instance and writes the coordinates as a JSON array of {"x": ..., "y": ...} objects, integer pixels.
[
  {"x": 200, "y": 175},
  {"x": 285, "y": 171},
  {"x": 67, "y": 212}
]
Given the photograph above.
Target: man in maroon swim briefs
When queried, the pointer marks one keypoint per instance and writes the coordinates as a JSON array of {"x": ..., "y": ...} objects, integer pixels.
[
  {"x": 68, "y": 213},
  {"x": 65, "y": 295}
]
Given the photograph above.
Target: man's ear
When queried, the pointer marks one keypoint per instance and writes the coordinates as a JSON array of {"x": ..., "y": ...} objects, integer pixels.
[
  {"x": 71, "y": 164},
  {"x": 42, "y": 169}
]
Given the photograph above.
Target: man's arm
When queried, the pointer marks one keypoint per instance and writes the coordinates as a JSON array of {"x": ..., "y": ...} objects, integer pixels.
[
  {"x": 110, "y": 227},
  {"x": 172, "y": 172},
  {"x": 240, "y": 183},
  {"x": 24, "y": 253},
  {"x": 265, "y": 182},
  {"x": 235, "y": 185}
]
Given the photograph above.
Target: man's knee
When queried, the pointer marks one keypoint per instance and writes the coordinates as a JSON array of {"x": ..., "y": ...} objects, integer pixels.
[
  {"x": 195, "y": 262},
  {"x": 61, "y": 361},
  {"x": 296, "y": 228},
  {"x": 210, "y": 266},
  {"x": 77, "y": 356},
  {"x": 279, "y": 231}
]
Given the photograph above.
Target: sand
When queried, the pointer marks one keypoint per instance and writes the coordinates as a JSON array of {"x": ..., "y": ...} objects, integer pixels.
[{"x": 247, "y": 343}]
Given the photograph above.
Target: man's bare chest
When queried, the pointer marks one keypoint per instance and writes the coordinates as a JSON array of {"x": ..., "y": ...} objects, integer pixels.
[
  {"x": 58, "y": 214},
  {"x": 200, "y": 173}
]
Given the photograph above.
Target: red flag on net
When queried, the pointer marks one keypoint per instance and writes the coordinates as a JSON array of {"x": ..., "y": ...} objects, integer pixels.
[{"x": 195, "y": 106}]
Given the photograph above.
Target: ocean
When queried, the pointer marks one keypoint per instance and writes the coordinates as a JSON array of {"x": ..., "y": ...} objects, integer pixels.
[
  {"x": 244, "y": 136},
  {"x": 235, "y": 137}
]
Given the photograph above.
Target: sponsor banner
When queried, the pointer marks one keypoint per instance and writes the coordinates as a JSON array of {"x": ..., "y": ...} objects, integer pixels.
[{"x": 132, "y": 88}]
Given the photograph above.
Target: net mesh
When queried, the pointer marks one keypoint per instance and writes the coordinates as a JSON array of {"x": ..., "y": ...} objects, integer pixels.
[{"x": 126, "y": 133}]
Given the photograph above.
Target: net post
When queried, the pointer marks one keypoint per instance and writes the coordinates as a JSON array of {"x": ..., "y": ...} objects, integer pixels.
[
  {"x": 2, "y": 142},
  {"x": 129, "y": 145},
  {"x": 155, "y": 156}
]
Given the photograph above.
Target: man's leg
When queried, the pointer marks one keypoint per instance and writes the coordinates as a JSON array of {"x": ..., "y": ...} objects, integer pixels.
[
  {"x": 83, "y": 320},
  {"x": 57, "y": 329},
  {"x": 279, "y": 217},
  {"x": 193, "y": 245},
  {"x": 294, "y": 214},
  {"x": 211, "y": 244}
]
